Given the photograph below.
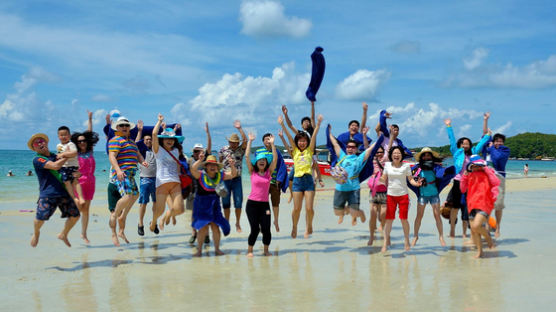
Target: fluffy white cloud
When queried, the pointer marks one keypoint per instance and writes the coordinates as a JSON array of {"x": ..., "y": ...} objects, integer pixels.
[
  {"x": 539, "y": 74},
  {"x": 362, "y": 85},
  {"x": 180, "y": 113},
  {"x": 503, "y": 129},
  {"x": 267, "y": 19},
  {"x": 253, "y": 100},
  {"x": 98, "y": 116},
  {"x": 476, "y": 58}
]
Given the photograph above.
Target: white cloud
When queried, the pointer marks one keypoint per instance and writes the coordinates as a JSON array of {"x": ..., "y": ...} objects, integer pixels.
[
  {"x": 180, "y": 112},
  {"x": 98, "y": 116},
  {"x": 476, "y": 58},
  {"x": 539, "y": 74},
  {"x": 503, "y": 129},
  {"x": 464, "y": 130},
  {"x": 362, "y": 85},
  {"x": 267, "y": 19},
  {"x": 253, "y": 100}
]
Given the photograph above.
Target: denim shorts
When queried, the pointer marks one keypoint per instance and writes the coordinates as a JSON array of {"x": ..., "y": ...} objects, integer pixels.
[
  {"x": 147, "y": 188},
  {"x": 235, "y": 190},
  {"x": 303, "y": 183},
  {"x": 423, "y": 200},
  {"x": 351, "y": 198}
]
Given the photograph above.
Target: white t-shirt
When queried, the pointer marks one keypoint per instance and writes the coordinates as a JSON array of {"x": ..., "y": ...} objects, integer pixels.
[
  {"x": 397, "y": 178},
  {"x": 68, "y": 147},
  {"x": 167, "y": 169}
]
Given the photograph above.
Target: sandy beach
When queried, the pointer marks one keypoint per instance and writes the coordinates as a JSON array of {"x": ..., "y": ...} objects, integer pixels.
[{"x": 334, "y": 269}]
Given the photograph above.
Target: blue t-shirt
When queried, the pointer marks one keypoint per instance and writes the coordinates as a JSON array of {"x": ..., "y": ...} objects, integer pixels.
[
  {"x": 353, "y": 164},
  {"x": 49, "y": 186},
  {"x": 429, "y": 189}
]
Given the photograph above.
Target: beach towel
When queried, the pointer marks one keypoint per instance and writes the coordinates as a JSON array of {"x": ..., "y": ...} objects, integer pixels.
[{"x": 316, "y": 75}]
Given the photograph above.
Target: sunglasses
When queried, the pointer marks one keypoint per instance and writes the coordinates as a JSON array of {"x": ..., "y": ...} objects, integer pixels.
[
  {"x": 351, "y": 146},
  {"x": 81, "y": 141},
  {"x": 196, "y": 151},
  {"x": 123, "y": 125}
]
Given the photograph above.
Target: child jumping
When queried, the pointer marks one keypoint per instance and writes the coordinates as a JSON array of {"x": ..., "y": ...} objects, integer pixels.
[{"x": 67, "y": 149}]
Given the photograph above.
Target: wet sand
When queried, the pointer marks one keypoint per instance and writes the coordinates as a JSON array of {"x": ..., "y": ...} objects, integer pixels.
[{"x": 334, "y": 269}]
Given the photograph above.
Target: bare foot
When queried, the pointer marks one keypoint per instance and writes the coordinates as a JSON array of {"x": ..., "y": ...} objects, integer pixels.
[
  {"x": 478, "y": 255},
  {"x": 452, "y": 233},
  {"x": 238, "y": 228},
  {"x": 370, "y": 242},
  {"x": 340, "y": 219},
  {"x": 64, "y": 239},
  {"x": 414, "y": 242},
  {"x": 406, "y": 246},
  {"x": 174, "y": 220},
  {"x": 218, "y": 252},
  {"x": 198, "y": 253},
  {"x": 306, "y": 234},
  {"x": 353, "y": 221},
  {"x": 294, "y": 232},
  {"x": 442, "y": 242},
  {"x": 491, "y": 244},
  {"x": 384, "y": 248},
  {"x": 122, "y": 236},
  {"x": 35, "y": 239},
  {"x": 291, "y": 198},
  {"x": 362, "y": 217},
  {"x": 276, "y": 226},
  {"x": 497, "y": 234},
  {"x": 161, "y": 224},
  {"x": 249, "y": 255},
  {"x": 380, "y": 228},
  {"x": 464, "y": 235},
  {"x": 468, "y": 243},
  {"x": 267, "y": 254},
  {"x": 310, "y": 229},
  {"x": 115, "y": 240},
  {"x": 151, "y": 228},
  {"x": 85, "y": 239}
]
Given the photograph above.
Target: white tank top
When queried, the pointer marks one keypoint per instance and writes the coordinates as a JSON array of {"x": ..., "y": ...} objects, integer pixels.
[{"x": 167, "y": 169}]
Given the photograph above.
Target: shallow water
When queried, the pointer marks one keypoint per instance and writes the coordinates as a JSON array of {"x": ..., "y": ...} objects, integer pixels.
[{"x": 334, "y": 269}]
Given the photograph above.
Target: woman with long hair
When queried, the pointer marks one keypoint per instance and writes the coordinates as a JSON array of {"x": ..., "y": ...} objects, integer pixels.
[
  {"x": 167, "y": 149},
  {"x": 85, "y": 142}
]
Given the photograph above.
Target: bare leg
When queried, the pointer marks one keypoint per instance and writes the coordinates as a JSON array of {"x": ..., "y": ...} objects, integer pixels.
[
  {"x": 85, "y": 220},
  {"x": 70, "y": 190},
  {"x": 79, "y": 191},
  {"x": 160, "y": 206},
  {"x": 227, "y": 213},
  {"x": 37, "y": 224},
  {"x": 238, "y": 216},
  {"x": 417, "y": 224},
  {"x": 249, "y": 251},
  {"x": 142, "y": 211},
  {"x": 216, "y": 239},
  {"x": 63, "y": 236},
  {"x": 439, "y": 227},
  {"x": 405, "y": 227},
  {"x": 201, "y": 234},
  {"x": 372, "y": 224},
  {"x": 453, "y": 218},
  {"x": 122, "y": 218},
  {"x": 476, "y": 226},
  {"x": 464, "y": 225},
  {"x": 382, "y": 214},
  {"x": 387, "y": 230},
  {"x": 276, "y": 212},
  {"x": 340, "y": 214},
  {"x": 309, "y": 212},
  {"x": 296, "y": 212},
  {"x": 291, "y": 192},
  {"x": 498, "y": 214}
]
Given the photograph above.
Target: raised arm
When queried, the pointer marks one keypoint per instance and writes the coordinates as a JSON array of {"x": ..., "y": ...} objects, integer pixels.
[
  {"x": 286, "y": 145},
  {"x": 90, "y": 121},
  {"x": 155, "y": 133},
  {"x": 274, "y": 154},
  {"x": 382, "y": 121},
  {"x": 337, "y": 148},
  {"x": 139, "y": 131},
  {"x": 209, "y": 139},
  {"x": 314, "y": 136},
  {"x": 371, "y": 150},
  {"x": 364, "y": 117},
  {"x": 453, "y": 145},
  {"x": 233, "y": 173},
  {"x": 313, "y": 123},
  {"x": 237, "y": 125},
  {"x": 364, "y": 131},
  {"x": 486, "y": 116},
  {"x": 290, "y": 139},
  {"x": 248, "y": 152},
  {"x": 195, "y": 167},
  {"x": 288, "y": 121},
  {"x": 55, "y": 165}
]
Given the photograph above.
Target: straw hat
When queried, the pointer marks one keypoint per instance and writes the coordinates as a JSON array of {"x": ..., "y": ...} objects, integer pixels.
[
  {"x": 426, "y": 150},
  {"x": 211, "y": 159},
  {"x": 36, "y": 136},
  {"x": 122, "y": 120},
  {"x": 233, "y": 138},
  {"x": 169, "y": 133}
]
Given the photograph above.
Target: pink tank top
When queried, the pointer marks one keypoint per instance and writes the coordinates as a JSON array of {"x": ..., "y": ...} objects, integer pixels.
[
  {"x": 260, "y": 185},
  {"x": 86, "y": 168}
]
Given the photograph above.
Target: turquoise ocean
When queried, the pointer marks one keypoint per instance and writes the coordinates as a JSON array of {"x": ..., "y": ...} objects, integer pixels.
[{"x": 17, "y": 191}]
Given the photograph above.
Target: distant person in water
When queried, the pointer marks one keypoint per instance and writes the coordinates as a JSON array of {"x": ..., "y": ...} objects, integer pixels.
[
  {"x": 29, "y": 173},
  {"x": 10, "y": 174},
  {"x": 525, "y": 169},
  {"x": 52, "y": 193}
]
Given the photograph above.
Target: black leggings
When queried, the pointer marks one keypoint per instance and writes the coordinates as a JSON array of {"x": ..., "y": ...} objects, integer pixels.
[
  {"x": 457, "y": 200},
  {"x": 258, "y": 214}
]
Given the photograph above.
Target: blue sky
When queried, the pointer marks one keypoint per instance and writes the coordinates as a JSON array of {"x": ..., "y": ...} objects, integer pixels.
[{"x": 223, "y": 60}]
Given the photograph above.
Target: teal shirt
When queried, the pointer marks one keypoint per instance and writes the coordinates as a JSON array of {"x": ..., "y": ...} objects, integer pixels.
[
  {"x": 353, "y": 164},
  {"x": 430, "y": 188}
]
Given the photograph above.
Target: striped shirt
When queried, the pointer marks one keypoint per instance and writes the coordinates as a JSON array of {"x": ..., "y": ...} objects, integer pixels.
[{"x": 126, "y": 153}]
